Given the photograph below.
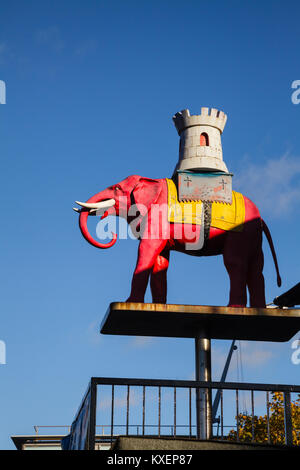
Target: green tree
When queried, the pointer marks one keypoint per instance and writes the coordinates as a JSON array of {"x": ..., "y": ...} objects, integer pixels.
[{"x": 259, "y": 424}]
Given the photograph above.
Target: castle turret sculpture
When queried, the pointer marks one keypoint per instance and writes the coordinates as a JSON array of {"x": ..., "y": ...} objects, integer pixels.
[
  {"x": 201, "y": 173},
  {"x": 200, "y": 146}
]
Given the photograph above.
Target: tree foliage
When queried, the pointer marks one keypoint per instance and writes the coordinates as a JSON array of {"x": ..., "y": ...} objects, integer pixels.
[{"x": 256, "y": 429}]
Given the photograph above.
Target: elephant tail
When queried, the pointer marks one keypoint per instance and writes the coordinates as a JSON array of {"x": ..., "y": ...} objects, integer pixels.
[{"x": 269, "y": 238}]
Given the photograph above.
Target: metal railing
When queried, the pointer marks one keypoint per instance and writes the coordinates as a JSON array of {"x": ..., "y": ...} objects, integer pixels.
[
  {"x": 102, "y": 403},
  {"x": 37, "y": 428}
]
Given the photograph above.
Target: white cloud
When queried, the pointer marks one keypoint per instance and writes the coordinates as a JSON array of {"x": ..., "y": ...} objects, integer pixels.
[
  {"x": 248, "y": 354},
  {"x": 254, "y": 354},
  {"x": 3, "y": 51},
  {"x": 3, "y": 48},
  {"x": 51, "y": 37},
  {"x": 121, "y": 401},
  {"x": 93, "y": 333},
  {"x": 273, "y": 186},
  {"x": 141, "y": 341},
  {"x": 86, "y": 47}
]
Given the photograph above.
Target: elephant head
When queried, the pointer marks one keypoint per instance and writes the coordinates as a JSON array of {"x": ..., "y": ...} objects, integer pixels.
[{"x": 117, "y": 200}]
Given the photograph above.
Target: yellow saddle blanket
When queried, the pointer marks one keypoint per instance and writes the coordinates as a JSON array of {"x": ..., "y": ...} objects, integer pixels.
[{"x": 223, "y": 216}]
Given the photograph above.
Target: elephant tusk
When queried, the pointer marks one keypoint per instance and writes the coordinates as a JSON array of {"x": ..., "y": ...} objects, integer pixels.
[
  {"x": 90, "y": 211},
  {"x": 97, "y": 205}
]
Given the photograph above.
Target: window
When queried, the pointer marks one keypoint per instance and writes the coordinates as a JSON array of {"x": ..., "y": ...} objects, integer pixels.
[{"x": 204, "y": 139}]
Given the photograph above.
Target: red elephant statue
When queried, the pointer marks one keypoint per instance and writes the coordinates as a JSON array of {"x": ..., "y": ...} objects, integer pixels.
[{"x": 144, "y": 203}]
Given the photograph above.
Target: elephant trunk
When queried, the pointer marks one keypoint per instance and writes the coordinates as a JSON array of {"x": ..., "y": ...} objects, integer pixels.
[{"x": 93, "y": 204}]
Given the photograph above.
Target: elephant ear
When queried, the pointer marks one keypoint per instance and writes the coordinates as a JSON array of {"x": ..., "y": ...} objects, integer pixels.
[{"x": 146, "y": 193}]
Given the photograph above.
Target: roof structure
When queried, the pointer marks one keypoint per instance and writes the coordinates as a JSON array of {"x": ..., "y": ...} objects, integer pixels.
[{"x": 290, "y": 298}]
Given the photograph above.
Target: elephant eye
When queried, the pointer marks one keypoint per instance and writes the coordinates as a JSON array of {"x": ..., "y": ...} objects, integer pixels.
[{"x": 117, "y": 188}]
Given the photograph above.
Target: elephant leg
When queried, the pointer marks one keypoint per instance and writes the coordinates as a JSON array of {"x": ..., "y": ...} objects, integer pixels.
[
  {"x": 256, "y": 281},
  {"x": 235, "y": 257},
  {"x": 147, "y": 255},
  {"x": 158, "y": 280}
]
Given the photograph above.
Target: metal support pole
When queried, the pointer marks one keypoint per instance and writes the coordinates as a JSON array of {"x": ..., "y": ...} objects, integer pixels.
[{"x": 203, "y": 396}]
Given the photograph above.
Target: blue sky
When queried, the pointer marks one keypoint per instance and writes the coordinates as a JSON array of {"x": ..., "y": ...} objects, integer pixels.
[{"x": 91, "y": 90}]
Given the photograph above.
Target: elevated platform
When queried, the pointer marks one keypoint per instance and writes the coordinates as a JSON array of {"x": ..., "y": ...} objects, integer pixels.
[{"x": 185, "y": 321}]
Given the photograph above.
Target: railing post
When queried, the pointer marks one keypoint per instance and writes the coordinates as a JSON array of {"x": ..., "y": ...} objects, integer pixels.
[
  {"x": 159, "y": 409},
  {"x": 112, "y": 413},
  {"x": 203, "y": 396},
  {"x": 222, "y": 422},
  {"x": 237, "y": 415},
  {"x": 174, "y": 411},
  {"x": 127, "y": 411},
  {"x": 190, "y": 411},
  {"x": 252, "y": 415},
  {"x": 92, "y": 417},
  {"x": 288, "y": 419},
  {"x": 144, "y": 398},
  {"x": 268, "y": 417}
]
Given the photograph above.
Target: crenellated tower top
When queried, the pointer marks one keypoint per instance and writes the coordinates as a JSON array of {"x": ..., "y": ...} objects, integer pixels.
[{"x": 208, "y": 117}]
